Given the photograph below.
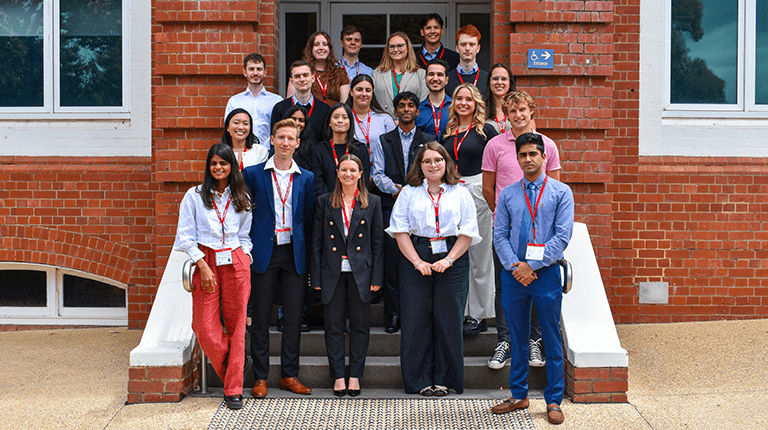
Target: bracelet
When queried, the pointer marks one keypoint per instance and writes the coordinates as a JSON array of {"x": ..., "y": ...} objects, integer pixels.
[
  {"x": 416, "y": 266},
  {"x": 448, "y": 259}
]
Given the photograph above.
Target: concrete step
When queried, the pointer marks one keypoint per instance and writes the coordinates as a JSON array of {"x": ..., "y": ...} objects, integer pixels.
[{"x": 384, "y": 372}]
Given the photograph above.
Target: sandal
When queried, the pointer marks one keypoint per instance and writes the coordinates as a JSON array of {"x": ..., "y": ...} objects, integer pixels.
[
  {"x": 554, "y": 414},
  {"x": 426, "y": 391},
  {"x": 440, "y": 391}
]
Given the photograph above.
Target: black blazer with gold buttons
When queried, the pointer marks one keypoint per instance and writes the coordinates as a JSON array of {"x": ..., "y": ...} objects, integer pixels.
[{"x": 363, "y": 247}]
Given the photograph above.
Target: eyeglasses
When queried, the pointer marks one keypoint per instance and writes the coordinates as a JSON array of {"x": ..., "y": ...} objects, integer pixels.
[
  {"x": 500, "y": 78},
  {"x": 398, "y": 47},
  {"x": 436, "y": 162}
]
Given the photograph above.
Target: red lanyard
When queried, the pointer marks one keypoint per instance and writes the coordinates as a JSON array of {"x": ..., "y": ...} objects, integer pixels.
[
  {"x": 366, "y": 131},
  {"x": 280, "y": 193},
  {"x": 442, "y": 51},
  {"x": 241, "y": 158},
  {"x": 457, "y": 143},
  {"x": 395, "y": 81},
  {"x": 477, "y": 75},
  {"x": 336, "y": 157},
  {"x": 344, "y": 210},
  {"x": 311, "y": 105},
  {"x": 501, "y": 124},
  {"x": 323, "y": 88},
  {"x": 536, "y": 209},
  {"x": 222, "y": 218},
  {"x": 436, "y": 116},
  {"x": 436, "y": 204}
]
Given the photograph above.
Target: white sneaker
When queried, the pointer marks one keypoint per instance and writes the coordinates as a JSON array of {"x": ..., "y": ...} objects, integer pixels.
[
  {"x": 535, "y": 358},
  {"x": 501, "y": 356}
]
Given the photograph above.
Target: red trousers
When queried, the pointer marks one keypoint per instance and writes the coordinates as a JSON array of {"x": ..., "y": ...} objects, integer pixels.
[{"x": 224, "y": 346}]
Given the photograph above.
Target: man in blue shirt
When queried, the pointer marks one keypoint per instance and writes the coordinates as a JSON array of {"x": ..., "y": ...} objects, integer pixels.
[
  {"x": 534, "y": 222},
  {"x": 351, "y": 42},
  {"x": 433, "y": 110}
]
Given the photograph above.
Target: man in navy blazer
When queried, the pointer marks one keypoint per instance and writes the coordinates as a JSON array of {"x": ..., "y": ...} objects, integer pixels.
[{"x": 283, "y": 197}]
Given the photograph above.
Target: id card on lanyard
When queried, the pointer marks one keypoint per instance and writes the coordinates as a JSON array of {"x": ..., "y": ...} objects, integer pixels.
[
  {"x": 438, "y": 244},
  {"x": 534, "y": 251},
  {"x": 224, "y": 255},
  {"x": 283, "y": 235}
]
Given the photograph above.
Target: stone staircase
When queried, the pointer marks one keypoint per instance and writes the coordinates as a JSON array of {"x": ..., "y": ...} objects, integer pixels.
[{"x": 382, "y": 366}]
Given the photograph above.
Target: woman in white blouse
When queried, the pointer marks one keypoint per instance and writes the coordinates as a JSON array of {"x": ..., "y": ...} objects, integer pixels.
[
  {"x": 434, "y": 223},
  {"x": 398, "y": 72},
  {"x": 238, "y": 135},
  {"x": 214, "y": 222}
]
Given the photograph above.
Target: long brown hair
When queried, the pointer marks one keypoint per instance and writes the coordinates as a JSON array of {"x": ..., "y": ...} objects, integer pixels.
[
  {"x": 478, "y": 118},
  {"x": 416, "y": 176},
  {"x": 332, "y": 70},
  {"x": 410, "y": 65},
  {"x": 362, "y": 192},
  {"x": 241, "y": 197}
]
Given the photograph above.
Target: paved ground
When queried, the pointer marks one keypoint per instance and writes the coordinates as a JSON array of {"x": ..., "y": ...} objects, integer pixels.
[{"x": 709, "y": 375}]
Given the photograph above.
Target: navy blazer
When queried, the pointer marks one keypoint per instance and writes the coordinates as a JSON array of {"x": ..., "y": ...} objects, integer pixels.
[
  {"x": 363, "y": 247},
  {"x": 259, "y": 182}
]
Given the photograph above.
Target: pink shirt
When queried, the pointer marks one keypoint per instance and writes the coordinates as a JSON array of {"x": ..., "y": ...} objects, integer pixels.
[{"x": 500, "y": 157}]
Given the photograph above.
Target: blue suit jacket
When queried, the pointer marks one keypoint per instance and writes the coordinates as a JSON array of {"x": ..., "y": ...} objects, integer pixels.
[{"x": 259, "y": 182}]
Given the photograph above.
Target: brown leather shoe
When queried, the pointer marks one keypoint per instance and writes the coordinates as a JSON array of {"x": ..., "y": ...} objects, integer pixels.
[
  {"x": 293, "y": 385},
  {"x": 259, "y": 389},
  {"x": 554, "y": 414},
  {"x": 510, "y": 405}
]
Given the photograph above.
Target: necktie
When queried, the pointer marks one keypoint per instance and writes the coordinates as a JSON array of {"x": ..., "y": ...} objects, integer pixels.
[{"x": 525, "y": 224}]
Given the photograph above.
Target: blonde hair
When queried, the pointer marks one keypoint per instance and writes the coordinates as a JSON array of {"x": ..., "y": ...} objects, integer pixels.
[
  {"x": 478, "y": 119},
  {"x": 387, "y": 64},
  {"x": 515, "y": 98}
]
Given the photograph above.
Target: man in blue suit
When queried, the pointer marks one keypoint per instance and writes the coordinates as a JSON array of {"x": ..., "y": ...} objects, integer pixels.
[{"x": 284, "y": 199}]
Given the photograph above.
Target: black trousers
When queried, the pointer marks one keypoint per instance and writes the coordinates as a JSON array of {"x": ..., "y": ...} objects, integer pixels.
[
  {"x": 346, "y": 301},
  {"x": 391, "y": 285},
  {"x": 432, "y": 314},
  {"x": 280, "y": 279}
]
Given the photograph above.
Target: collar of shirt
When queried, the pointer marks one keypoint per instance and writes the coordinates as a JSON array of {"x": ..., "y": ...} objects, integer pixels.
[
  {"x": 425, "y": 185},
  {"x": 346, "y": 64},
  {"x": 296, "y": 101},
  {"x": 223, "y": 194},
  {"x": 538, "y": 182},
  {"x": 404, "y": 135},
  {"x": 262, "y": 91},
  {"x": 430, "y": 55},
  {"x": 270, "y": 165},
  {"x": 425, "y": 104},
  {"x": 471, "y": 71}
]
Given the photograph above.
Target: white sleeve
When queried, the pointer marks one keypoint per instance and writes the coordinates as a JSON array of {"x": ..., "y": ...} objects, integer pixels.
[{"x": 186, "y": 232}]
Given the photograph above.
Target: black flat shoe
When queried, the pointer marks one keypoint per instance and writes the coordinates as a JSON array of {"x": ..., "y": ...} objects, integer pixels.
[
  {"x": 340, "y": 393},
  {"x": 234, "y": 402},
  {"x": 353, "y": 393}
]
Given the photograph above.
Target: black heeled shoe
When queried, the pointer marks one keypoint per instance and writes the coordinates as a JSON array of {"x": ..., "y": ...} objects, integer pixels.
[
  {"x": 342, "y": 393},
  {"x": 353, "y": 393}
]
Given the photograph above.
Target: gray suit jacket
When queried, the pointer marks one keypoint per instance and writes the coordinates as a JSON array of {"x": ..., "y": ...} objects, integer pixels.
[{"x": 382, "y": 86}]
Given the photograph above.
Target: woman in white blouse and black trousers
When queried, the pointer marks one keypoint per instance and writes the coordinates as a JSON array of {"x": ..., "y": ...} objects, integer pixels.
[{"x": 434, "y": 222}]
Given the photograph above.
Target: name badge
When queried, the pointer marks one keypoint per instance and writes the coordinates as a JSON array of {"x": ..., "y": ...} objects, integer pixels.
[
  {"x": 283, "y": 236},
  {"x": 535, "y": 251},
  {"x": 345, "y": 266},
  {"x": 439, "y": 245},
  {"x": 223, "y": 256}
]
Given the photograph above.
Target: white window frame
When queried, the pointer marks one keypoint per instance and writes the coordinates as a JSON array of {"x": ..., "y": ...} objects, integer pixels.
[
  {"x": 52, "y": 108},
  {"x": 695, "y": 133},
  {"x": 55, "y": 313},
  {"x": 745, "y": 106}
]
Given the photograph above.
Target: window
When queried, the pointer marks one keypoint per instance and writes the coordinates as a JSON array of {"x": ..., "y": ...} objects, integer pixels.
[
  {"x": 63, "y": 56},
  {"x": 37, "y": 294},
  {"x": 716, "y": 58}
]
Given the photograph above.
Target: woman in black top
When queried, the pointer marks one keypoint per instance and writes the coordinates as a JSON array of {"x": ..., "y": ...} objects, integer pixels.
[
  {"x": 465, "y": 138},
  {"x": 339, "y": 139},
  {"x": 307, "y": 139}
]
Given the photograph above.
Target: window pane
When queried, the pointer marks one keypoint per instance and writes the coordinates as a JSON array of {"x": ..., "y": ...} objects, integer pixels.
[
  {"x": 408, "y": 24},
  {"x": 483, "y": 23},
  {"x": 87, "y": 293},
  {"x": 761, "y": 56},
  {"x": 23, "y": 288},
  {"x": 21, "y": 53},
  {"x": 373, "y": 28},
  {"x": 302, "y": 25},
  {"x": 91, "y": 53},
  {"x": 703, "y": 63}
]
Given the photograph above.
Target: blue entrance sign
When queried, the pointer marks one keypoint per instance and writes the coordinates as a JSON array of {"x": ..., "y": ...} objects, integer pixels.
[{"x": 541, "y": 58}]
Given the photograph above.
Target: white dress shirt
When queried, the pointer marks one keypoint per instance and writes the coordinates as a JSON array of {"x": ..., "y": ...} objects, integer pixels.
[
  {"x": 414, "y": 213},
  {"x": 256, "y": 155},
  {"x": 260, "y": 107},
  {"x": 200, "y": 225},
  {"x": 284, "y": 178}
]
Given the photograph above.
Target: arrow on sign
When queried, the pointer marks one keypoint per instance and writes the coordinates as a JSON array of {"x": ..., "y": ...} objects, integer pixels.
[{"x": 546, "y": 55}]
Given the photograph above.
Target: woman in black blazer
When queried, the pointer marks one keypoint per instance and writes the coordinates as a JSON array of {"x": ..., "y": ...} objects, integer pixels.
[
  {"x": 347, "y": 266},
  {"x": 338, "y": 139}
]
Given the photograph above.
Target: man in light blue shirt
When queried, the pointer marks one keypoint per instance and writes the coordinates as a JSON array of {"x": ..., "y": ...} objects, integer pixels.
[
  {"x": 351, "y": 42},
  {"x": 256, "y": 99},
  {"x": 533, "y": 225}
]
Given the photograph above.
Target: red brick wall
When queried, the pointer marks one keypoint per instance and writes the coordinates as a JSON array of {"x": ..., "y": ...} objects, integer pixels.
[{"x": 90, "y": 214}]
